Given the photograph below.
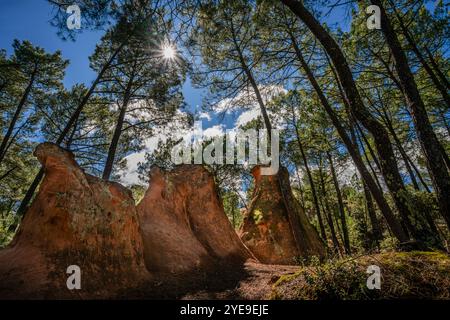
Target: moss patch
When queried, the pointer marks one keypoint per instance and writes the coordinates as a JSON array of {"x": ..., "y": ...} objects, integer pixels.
[{"x": 419, "y": 275}]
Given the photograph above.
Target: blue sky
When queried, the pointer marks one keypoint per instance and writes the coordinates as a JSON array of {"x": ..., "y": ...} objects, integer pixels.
[{"x": 29, "y": 20}]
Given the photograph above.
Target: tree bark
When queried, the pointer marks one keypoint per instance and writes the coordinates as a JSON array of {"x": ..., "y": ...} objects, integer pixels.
[
  {"x": 369, "y": 147},
  {"x": 22, "y": 102},
  {"x": 310, "y": 179},
  {"x": 116, "y": 136},
  {"x": 376, "y": 235},
  {"x": 402, "y": 151},
  {"x": 428, "y": 140},
  {"x": 369, "y": 164},
  {"x": 7, "y": 173},
  {"x": 294, "y": 219},
  {"x": 378, "y": 195},
  {"x": 253, "y": 83},
  {"x": 340, "y": 205},
  {"x": 422, "y": 60},
  {"x": 381, "y": 137},
  {"x": 73, "y": 119},
  {"x": 437, "y": 69},
  {"x": 300, "y": 188},
  {"x": 327, "y": 210}
]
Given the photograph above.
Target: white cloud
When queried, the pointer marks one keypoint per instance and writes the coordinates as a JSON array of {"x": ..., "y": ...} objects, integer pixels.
[
  {"x": 245, "y": 100},
  {"x": 247, "y": 116},
  {"x": 205, "y": 115},
  {"x": 214, "y": 131},
  {"x": 130, "y": 175}
]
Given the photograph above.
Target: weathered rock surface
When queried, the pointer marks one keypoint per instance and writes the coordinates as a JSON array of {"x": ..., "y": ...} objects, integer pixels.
[
  {"x": 275, "y": 228},
  {"x": 75, "y": 219},
  {"x": 184, "y": 226}
]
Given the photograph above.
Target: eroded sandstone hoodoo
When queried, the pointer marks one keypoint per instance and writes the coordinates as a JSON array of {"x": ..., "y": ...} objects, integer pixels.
[
  {"x": 183, "y": 223},
  {"x": 75, "y": 219},
  {"x": 275, "y": 228}
]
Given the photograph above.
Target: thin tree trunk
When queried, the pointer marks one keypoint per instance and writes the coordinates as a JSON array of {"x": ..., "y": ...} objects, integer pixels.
[
  {"x": 419, "y": 175},
  {"x": 437, "y": 69},
  {"x": 340, "y": 205},
  {"x": 402, "y": 151},
  {"x": 444, "y": 120},
  {"x": 311, "y": 182},
  {"x": 369, "y": 147},
  {"x": 392, "y": 221},
  {"x": 369, "y": 164},
  {"x": 30, "y": 192},
  {"x": 16, "y": 115},
  {"x": 300, "y": 188},
  {"x": 253, "y": 83},
  {"x": 72, "y": 135},
  {"x": 376, "y": 235},
  {"x": 445, "y": 156},
  {"x": 73, "y": 119},
  {"x": 327, "y": 210},
  {"x": 381, "y": 137},
  {"x": 116, "y": 136},
  {"x": 422, "y": 60},
  {"x": 310, "y": 179},
  {"x": 7, "y": 173},
  {"x": 294, "y": 219},
  {"x": 428, "y": 140}
]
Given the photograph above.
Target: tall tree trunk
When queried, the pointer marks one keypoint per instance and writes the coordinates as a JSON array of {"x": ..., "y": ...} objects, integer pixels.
[
  {"x": 369, "y": 164},
  {"x": 7, "y": 173},
  {"x": 353, "y": 127},
  {"x": 409, "y": 38},
  {"x": 12, "y": 124},
  {"x": 254, "y": 85},
  {"x": 116, "y": 136},
  {"x": 327, "y": 210},
  {"x": 73, "y": 119},
  {"x": 428, "y": 140},
  {"x": 294, "y": 219},
  {"x": 376, "y": 235},
  {"x": 381, "y": 137},
  {"x": 310, "y": 178},
  {"x": 444, "y": 120},
  {"x": 445, "y": 156},
  {"x": 369, "y": 147},
  {"x": 436, "y": 68},
  {"x": 410, "y": 166},
  {"x": 378, "y": 195},
  {"x": 419, "y": 175},
  {"x": 340, "y": 205},
  {"x": 300, "y": 187},
  {"x": 402, "y": 151},
  {"x": 72, "y": 135}
]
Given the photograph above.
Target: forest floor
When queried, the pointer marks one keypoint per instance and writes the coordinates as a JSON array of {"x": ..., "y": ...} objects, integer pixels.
[
  {"x": 422, "y": 275},
  {"x": 256, "y": 283}
]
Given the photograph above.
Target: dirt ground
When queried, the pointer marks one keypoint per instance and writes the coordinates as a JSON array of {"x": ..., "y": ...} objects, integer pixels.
[
  {"x": 250, "y": 281},
  {"x": 256, "y": 283}
]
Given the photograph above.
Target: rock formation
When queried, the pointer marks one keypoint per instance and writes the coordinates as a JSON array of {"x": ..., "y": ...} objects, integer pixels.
[
  {"x": 184, "y": 226},
  {"x": 75, "y": 219},
  {"x": 275, "y": 228}
]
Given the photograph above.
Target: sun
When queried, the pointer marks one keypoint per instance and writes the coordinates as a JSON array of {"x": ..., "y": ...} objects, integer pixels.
[{"x": 168, "y": 52}]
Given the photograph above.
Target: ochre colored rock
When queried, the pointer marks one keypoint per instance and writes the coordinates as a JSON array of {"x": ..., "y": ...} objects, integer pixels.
[
  {"x": 184, "y": 226},
  {"x": 75, "y": 219},
  {"x": 275, "y": 228}
]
